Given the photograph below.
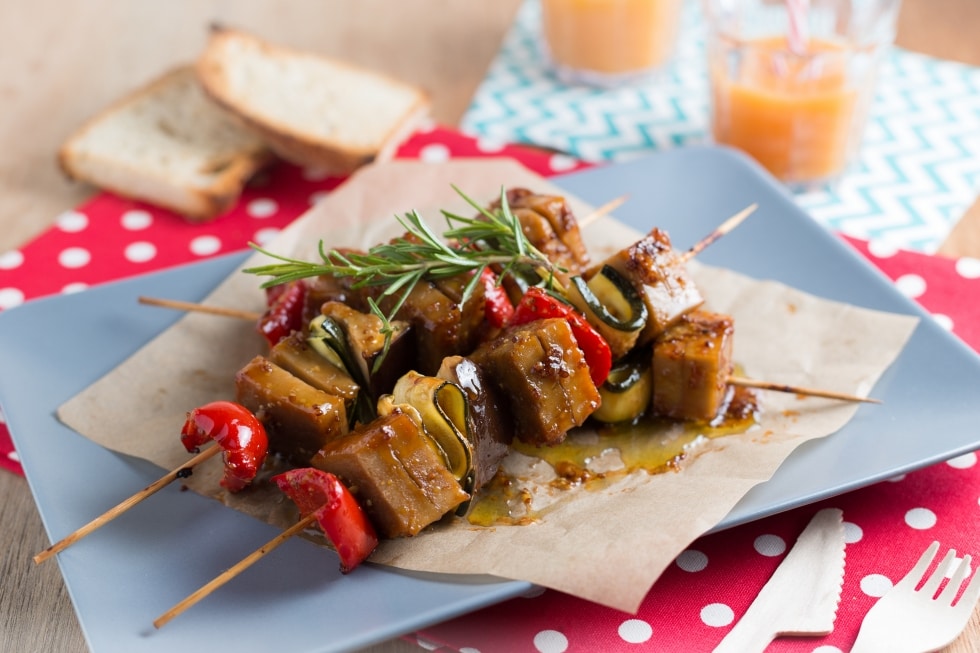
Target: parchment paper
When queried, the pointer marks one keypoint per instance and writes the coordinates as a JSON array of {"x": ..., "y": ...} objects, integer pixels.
[{"x": 605, "y": 546}]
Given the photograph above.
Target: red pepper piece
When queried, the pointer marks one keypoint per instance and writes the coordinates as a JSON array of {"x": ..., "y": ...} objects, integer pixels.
[
  {"x": 537, "y": 304},
  {"x": 499, "y": 309},
  {"x": 237, "y": 431},
  {"x": 337, "y": 512},
  {"x": 285, "y": 312}
]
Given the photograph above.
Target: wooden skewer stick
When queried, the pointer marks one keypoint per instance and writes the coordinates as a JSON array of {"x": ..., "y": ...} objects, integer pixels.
[
  {"x": 724, "y": 228},
  {"x": 605, "y": 209},
  {"x": 122, "y": 507},
  {"x": 200, "y": 308},
  {"x": 234, "y": 570},
  {"x": 813, "y": 392}
]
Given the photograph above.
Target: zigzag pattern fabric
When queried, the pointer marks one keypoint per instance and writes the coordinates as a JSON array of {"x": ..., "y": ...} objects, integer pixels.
[{"x": 918, "y": 169}]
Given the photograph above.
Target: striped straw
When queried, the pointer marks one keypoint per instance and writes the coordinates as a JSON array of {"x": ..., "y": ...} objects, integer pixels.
[{"x": 798, "y": 35}]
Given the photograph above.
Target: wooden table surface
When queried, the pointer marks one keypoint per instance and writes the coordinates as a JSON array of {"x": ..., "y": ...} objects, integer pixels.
[{"x": 64, "y": 61}]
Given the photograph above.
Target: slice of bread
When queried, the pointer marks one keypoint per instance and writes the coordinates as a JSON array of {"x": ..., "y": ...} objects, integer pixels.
[
  {"x": 310, "y": 109},
  {"x": 167, "y": 144}
]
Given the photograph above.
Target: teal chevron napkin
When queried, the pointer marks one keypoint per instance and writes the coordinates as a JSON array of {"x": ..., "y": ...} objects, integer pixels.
[{"x": 918, "y": 171}]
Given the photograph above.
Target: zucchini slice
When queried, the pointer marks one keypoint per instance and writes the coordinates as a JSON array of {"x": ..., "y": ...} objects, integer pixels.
[
  {"x": 612, "y": 305},
  {"x": 443, "y": 408},
  {"x": 328, "y": 339},
  {"x": 627, "y": 392}
]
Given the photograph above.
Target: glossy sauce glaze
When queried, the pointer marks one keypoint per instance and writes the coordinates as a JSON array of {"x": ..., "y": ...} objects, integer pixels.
[{"x": 594, "y": 458}]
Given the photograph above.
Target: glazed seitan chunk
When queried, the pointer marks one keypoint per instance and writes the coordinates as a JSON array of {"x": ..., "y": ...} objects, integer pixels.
[
  {"x": 396, "y": 473},
  {"x": 660, "y": 276},
  {"x": 299, "y": 418},
  {"x": 561, "y": 223},
  {"x": 540, "y": 371},
  {"x": 692, "y": 362}
]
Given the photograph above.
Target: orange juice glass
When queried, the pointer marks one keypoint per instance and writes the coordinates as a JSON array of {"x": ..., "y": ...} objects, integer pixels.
[
  {"x": 796, "y": 102},
  {"x": 609, "y": 42}
]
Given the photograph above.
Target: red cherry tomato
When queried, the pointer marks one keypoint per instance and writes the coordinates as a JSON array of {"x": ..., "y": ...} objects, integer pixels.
[
  {"x": 237, "y": 431},
  {"x": 337, "y": 512},
  {"x": 537, "y": 304}
]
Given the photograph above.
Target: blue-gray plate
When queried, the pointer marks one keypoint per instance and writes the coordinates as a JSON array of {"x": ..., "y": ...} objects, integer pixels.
[{"x": 128, "y": 573}]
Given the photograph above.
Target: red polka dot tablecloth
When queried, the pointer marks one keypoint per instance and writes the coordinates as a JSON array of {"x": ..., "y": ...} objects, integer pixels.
[{"x": 698, "y": 599}]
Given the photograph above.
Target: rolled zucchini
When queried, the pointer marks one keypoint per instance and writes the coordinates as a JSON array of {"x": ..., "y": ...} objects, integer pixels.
[{"x": 626, "y": 393}]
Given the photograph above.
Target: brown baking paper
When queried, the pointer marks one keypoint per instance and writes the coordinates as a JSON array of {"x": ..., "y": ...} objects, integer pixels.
[{"x": 607, "y": 546}]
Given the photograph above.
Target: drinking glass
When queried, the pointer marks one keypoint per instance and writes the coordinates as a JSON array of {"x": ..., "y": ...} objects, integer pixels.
[{"x": 791, "y": 82}]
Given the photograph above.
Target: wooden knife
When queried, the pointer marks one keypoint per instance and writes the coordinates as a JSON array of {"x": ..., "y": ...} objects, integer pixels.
[{"x": 802, "y": 596}]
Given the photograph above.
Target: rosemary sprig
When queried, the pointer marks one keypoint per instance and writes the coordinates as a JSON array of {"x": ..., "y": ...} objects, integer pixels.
[{"x": 470, "y": 244}]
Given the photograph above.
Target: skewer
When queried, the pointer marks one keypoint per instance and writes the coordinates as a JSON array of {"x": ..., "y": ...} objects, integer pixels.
[
  {"x": 724, "y": 228},
  {"x": 605, "y": 209},
  {"x": 200, "y": 308},
  {"x": 234, "y": 570},
  {"x": 812, "y": 392},
  {"x": 122, "y": 507}
]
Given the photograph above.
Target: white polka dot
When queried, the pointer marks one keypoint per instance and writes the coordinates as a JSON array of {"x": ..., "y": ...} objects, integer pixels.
[
  {"x": 562, "y": 162},
  {"x": 882, "y": 249},
  {"x": 468, "y": 649},
  {"x": 944, "y": 321},
  {"x": 140, "y": 252},
  {"x": 769, "y": 545},
  {"x": 12, "y": 259},
  {"x": 262, "y": 208},
  {"x": 550, "y": 641},
  {"x": 635, "y": 631},
  {"x": 10, "y": 297},
  {"x": 72, "y": 288},
  {"x": 920, "y": 518},
  {"x": 13, "y": 456},
  {"x": 72, "y": 221},
  {"x": 74, "y": 257},
  {"x": 911, "y": 285},
  {"x": 319, "y": 196},
  {"x": 827, "y": 648},
  {"x": 263, "y": 236},
  {"x": 315, "y": 174},
  {"x": 852, "y": 533},
  {"x": 875, "y": 585},
  {"x": 426, "y": 644},
  {"x": 489, "y": 145},
  {"x": 434, "y": 153},
  {"x": 136, "y": 220},
  {"x": 205, "y": 245},
  {"x": 717, "y": 615},
  {"x": 968, "y": 267},
  {"x": 897, "y": 478},
  {"x": 965, "y": 461},
  {"x": 692, "y": 560}
]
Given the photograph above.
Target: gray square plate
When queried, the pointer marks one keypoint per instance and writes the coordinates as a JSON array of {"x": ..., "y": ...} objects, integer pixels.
[{"x": 128, "y": 573}]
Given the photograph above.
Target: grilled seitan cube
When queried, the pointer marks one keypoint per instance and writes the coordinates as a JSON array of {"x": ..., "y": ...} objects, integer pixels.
[
  {"x": 563, "y": 224},
  {"x": 692, "y": 361},
  {"x": 295, "y": 355},
  {"x": 399, "y": 478},
  {"x": 365, "y": 342},
  {"x": 299, "y": 418},
  {"x": 542, "y": 375},
  {"x": 437, "y": 324},
  {"x": 659, "y": 274}
]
